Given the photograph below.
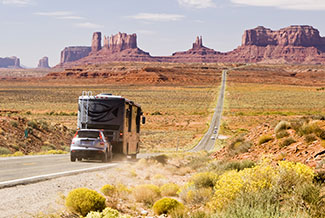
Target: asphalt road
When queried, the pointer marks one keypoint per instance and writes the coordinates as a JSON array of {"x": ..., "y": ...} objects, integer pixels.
[
  {"x": 23, "y": 170},
  {"x": 31, "y": 169},
  {"x": 208, "y": 140}
]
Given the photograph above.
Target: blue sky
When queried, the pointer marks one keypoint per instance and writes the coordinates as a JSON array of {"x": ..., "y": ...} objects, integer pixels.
[{"x": 31, "y": 29}]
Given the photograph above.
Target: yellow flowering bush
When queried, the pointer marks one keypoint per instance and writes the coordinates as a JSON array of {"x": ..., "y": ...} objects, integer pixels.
[
  {"x": 227, "y": 188},
  {"x": 264, "y": 176}
]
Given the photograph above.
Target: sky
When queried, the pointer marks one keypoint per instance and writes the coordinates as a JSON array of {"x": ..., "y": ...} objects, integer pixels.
[{"x": 32, "y": 29}]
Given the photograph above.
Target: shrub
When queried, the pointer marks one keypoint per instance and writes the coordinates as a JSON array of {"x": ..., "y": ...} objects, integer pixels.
[
  {"x": 169, "y": 189},
  {"x": 166, "y": 206},
  {"x": 84, "y": 200},
  {"x": 287, "y": 142},
  {"x": 14, "y": 124},
  {"x": 310, "y": 138},
  {"x": 146, "y": 193},
  {"x": 282, "y": 134},
  {"x": 282, "y": 125},
  {"x": 239, "y": 145},
  {"x": 4, "y": 151},
  {"x": 107, "y": 213},
  {"x": 322, "y": 135},
  {"x": 32, "y": 124},
  {"x": 264, "y": 138},
  {"x": 309, "y": 128},
  {"x": 204, "y": 180},
  {"x": 108, "y": 190}
]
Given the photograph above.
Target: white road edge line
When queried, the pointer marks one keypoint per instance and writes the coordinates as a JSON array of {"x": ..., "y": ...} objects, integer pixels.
[{"x": 34, "y": 179}]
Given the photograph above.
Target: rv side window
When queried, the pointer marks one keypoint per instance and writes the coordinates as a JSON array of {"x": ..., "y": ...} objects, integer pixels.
[
  {"x": 130, "y": 118},
  {"x": 138, "y": 119}
]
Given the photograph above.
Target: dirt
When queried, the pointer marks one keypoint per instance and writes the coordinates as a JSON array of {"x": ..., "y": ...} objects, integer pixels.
[
  {"x": 24, "y": 135},
  {"x": 299, "y": 151},
  {"x": 48, "y": 197}
]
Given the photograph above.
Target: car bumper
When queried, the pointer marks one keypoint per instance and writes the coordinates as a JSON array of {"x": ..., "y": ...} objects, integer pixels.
[{"x": 87, "y": 153}]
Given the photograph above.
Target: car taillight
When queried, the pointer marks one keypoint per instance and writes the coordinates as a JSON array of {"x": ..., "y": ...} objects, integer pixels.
[
  {"x": 121, "y": 134},
  {"x": 102, "y": 143}
]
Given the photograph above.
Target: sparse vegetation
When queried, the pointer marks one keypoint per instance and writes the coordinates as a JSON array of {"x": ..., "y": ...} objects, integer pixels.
[
  {"x": 287, "y": 142},
  {"x": 264, "y": 138},
  {"x": 84, "y": 200},
  {"x": 283, "y": 125},
  {"x": 166, "y": 206},
  {"x": 169, "y": 189},
  {"x": 147, "y": 193}
]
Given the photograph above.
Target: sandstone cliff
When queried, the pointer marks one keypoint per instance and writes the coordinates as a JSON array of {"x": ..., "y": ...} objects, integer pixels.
[
  {"x": 294, "y": 44},
  {"x": 12, "y": 62},
  {"x": 43, "y": 63},
  {"x": 74, "y": 53}
]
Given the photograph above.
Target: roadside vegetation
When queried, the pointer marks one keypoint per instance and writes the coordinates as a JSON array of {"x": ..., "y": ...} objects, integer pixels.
[{"x": 197, "y": 185}]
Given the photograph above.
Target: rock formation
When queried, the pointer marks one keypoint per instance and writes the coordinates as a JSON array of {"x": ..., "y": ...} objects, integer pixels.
[
  {"x": 43, "y": 63},
  {"x": 305, "y": 36},
  {"x": 294, "y": 44},
  {"x": 198, "y": 53},
  {"x": 74, "y": 53},
  {"x": 12, "y": 62},
  {"x": 96, "y": 43}
]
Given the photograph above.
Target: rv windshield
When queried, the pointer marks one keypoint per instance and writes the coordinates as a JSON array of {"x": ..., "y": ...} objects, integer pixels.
[{"x": 88, "y": 134}]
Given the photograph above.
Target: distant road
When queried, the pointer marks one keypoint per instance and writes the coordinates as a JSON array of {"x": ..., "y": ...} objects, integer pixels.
[{"x": 209, "y": 139}]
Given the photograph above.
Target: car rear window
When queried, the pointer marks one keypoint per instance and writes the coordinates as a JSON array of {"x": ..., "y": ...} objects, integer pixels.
[{"x": 88, "y": 134}]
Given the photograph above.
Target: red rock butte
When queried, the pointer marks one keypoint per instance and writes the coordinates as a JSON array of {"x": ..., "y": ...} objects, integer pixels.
[{"x": 294, "y": 45}]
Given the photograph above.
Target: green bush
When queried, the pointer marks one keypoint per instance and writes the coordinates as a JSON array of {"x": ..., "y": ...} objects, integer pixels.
[
  {"x": 282, "y": 125},
  {"x": 282, "y": 134},
  {"x": 169, "y": 189},
  {"x": 204, "y": 180},
  {"x": 264, "y": 138},
  {"x": 287, "y": 142},
  {"x": 147, "y": 193},
  {"x": 84, "y": 200},
  {"x": 108, "y": 190},
  {"x": 166, "y": 206},
  {"x": 4, "y": 151}
]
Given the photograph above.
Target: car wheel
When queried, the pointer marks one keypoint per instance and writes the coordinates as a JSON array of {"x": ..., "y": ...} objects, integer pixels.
[
  {"x": 105, "y": 157},
  {"x": 72, "y": 158},
  {"x": 79, "y": 159}
]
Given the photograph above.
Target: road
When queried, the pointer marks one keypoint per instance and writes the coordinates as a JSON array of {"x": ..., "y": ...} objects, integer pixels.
[
  {"x": 208, "y": 140},
  {"x": 31, "y": 169}
]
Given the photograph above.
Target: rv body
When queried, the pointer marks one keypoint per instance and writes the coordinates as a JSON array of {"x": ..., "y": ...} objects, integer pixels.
[{"x": 118, "y": 117}]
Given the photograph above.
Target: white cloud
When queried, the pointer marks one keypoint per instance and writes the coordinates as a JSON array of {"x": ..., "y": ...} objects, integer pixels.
[
  {"x": 17, "y": 2},
  {"x": 65, "y": 15},
  {"x": 197, "y": 3},
  {"x": 285, "y": 4},
  {"x": 157, "y": 17},
  {"x": 89, "y": 25},
  {"x": 54, "y": 13}
]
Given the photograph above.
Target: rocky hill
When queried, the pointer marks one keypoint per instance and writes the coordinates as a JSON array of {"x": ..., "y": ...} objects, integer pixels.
[
  {"x": 43, "y": 63},
  {"x": 12, "y": 62},
  {"x": 294, "y": 44}
]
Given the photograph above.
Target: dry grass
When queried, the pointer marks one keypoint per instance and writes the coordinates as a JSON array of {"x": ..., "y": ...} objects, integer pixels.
[{"x": 176, "y": 115}]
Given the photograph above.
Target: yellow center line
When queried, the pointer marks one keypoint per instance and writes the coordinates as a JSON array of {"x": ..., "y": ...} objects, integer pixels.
[{"x": 29, "y": 164}]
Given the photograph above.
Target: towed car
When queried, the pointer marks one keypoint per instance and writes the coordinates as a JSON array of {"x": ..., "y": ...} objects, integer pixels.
[{"x": 90, "y": 144}]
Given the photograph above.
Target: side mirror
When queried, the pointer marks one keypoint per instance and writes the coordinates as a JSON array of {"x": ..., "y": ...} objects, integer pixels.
[{"x": 143, "y": 120}]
